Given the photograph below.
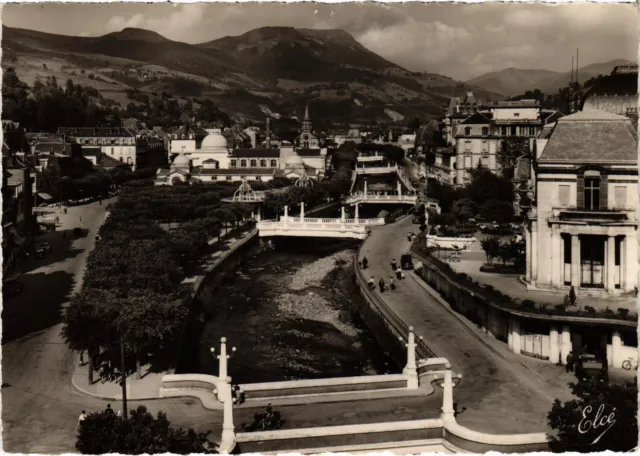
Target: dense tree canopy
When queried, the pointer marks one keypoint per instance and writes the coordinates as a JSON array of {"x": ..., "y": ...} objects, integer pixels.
[
  {"x": 141, "y": 433},
  {"x": 603, "y": 417}
]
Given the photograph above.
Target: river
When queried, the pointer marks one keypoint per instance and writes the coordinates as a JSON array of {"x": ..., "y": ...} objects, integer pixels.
[{"x": 292, "y": 315}]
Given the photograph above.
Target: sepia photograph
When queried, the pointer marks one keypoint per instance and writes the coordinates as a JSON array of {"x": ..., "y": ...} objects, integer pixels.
[{"x": 358, "y": 228}]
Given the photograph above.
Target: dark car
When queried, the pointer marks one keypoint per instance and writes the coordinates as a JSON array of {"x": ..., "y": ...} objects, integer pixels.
[
  {"x": 11, "y": 287},
  {"x": 591, "y": 367},
  {"x": 406, "y": 262}
]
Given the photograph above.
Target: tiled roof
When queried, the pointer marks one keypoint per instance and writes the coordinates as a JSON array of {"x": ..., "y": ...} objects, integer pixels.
[
  {"x": 478, "y": 118},
  {"x": 309, "y": 152},
  {"x": 106, "y": 161},
  {"x": 592, "y": 137},
  {"x": 255, "y": 153},
  {"x": 49, "y": 146}
]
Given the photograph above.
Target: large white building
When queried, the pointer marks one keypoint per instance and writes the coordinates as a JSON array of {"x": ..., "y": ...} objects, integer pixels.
[{"x": 583, "y": 230}]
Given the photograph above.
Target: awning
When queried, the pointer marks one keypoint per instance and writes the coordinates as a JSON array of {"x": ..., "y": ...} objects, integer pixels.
[{"x": 45, "y": 196}]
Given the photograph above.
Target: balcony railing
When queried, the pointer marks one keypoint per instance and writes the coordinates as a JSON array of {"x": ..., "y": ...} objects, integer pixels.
[{"x": 584, "y": 214}]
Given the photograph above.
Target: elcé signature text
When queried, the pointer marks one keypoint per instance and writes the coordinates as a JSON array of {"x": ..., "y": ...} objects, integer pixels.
[{"x": 599, "y": 421}]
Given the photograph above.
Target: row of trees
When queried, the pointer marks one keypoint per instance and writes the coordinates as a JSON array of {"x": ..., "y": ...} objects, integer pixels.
[
  {"x": 132, "y": 291},
  {"x": 509, "y": 251}
]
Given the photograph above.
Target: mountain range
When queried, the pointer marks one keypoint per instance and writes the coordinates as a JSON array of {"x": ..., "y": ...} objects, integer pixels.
[
  {"x": 514, "y": 81},
  {"x": 276, "y": 70},
  {"x": 270, "y": 69}
]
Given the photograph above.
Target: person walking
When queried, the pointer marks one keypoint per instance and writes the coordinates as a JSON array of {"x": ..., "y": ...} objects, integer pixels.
[
  {"x": 394, "y": 265},
  {"x": 365, "y": 262},
  {"x": 381, "y": 285},
  {"x": 392, "y": 284},
  {"x": 401, "y": 275},
  {"x": 81, "y": 418},
  {"x": 109, "y": 410},
  {"x": 570, "y": 362},
  {"x": 398, "y": 273}
]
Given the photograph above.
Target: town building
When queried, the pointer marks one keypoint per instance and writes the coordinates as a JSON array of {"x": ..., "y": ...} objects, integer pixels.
[
  {"x": 616, "y": 93},
  {"x": 480, "y": 137},
  {"x": 348, "y": 136},
  {"x": 119, "y": 143},
  {"x": 307, "y": 140},
  {"x": 582, "y": 230},
  {"x": 459, "y": 109},
  {"x": 439, "y": 157}
]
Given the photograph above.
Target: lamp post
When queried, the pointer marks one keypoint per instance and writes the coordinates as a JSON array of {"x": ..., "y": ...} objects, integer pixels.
[
  {"x": 448, "y": 412},
  {"x": 224, "y": 394}
]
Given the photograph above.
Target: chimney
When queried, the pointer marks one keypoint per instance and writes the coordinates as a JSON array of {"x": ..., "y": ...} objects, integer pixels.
[{"x": 268, "y": 141}]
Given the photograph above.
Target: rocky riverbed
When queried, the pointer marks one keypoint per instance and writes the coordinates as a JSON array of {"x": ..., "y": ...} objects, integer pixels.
[{"x": 291, "y": 315}]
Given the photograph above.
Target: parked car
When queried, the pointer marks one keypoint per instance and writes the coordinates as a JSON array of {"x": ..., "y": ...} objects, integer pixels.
[
  {"x": 591, "y": 367},
  {"x": 11, "y": 287},
  {"x": 406, "y": 262}
]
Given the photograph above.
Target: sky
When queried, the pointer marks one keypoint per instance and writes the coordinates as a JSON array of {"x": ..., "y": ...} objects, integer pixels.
[{"x": 458, "y": 40}]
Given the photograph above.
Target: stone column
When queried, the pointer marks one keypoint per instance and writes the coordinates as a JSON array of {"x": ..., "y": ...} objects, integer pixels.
[
  {"x": 556, "y": 280},
  {"x": 509, "y": 335},
  {"x": 228, "y": 441},
  {"x": 566, "y": 345},
  {"x": 554, "y": 348},
  {"x": 301, "y": 212},
  {"x": 623, "y": 263},
  {"x": 259, "y": 213},
  {"x": 343, "y": 216},
  {"x": 616, "y": 349},
  {"x": 286, "y": 213},
  {"x": 610, "y": 268},
  {"x": 365, "y": 189},
  {"x": 357, "y": 215},
  {"x": 515, "y": 335},
  {"x": 399, "y": 187},
  {"x": 575, "y": 261},
  {"x": 411, "y": 370}
]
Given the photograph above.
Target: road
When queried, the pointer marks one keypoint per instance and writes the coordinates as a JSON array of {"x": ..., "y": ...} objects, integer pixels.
[
  {"x": 500, "y": 393},
  {"x": 40, "y": 407}
]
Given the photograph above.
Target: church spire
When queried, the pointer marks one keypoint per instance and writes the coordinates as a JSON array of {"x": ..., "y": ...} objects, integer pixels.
[{"x": 306, "y": 112}]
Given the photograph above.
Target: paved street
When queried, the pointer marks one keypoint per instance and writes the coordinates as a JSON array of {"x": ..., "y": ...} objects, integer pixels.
[
  {"x": 492, "y": 382},
  {"x": 39, "y": 406}
]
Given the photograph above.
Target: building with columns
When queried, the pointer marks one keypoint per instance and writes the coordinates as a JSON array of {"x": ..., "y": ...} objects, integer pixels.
[{"x": 583, "y": 230}]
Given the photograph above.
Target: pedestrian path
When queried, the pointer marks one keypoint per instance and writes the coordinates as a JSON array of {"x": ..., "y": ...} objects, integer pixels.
[
  {"x": 498, "y": 391},
  {"x": 148, "y": 386}
]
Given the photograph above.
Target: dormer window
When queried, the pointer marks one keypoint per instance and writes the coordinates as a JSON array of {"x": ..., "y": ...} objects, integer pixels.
[
  {"x": 274, "y": 163},
  {"x": 234, "y": 163},
  {"x": 254, "y": 163},
  {"x": 467, "y": 131},
  {"x": 485, "y": 131},
  {"x": 263, "y": 163},
  {"x": 243, "y": 163}
]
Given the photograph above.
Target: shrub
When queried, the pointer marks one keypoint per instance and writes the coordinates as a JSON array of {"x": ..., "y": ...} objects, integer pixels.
[
  {"x": 608, "y": 311},
  {"x": 528, "y": 304},
  {"x": 623, "y": 312},
  {"x": 589, "y": 310}
]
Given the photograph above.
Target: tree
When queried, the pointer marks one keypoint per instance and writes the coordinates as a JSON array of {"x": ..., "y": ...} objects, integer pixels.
[
  {"x": 574, "y": 421},
  {"x": 491, "y": 247},
  {"x": 103, "y": 433},
  {"x": 510, "y": 150},
  {"x": 500, "y": 211},
  {"x": 464, "y": 209},
  {"x": 485, "y": 186}
]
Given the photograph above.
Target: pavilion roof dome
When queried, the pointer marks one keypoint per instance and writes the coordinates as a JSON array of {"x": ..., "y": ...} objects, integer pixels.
[{"x": 214, "y": 140}]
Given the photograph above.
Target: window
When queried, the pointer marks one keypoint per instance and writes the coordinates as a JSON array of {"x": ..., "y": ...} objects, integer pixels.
[
  {"x": 228, "y": 178},
  {"x": 467, "y": 147},
  {"x": 274, "y": 163},
  {"x": 592, "y": 193},
  {"x": 485, "y": 131},
  {"x": 467, "y": 131},
  {"x": 516, "y": 114},
  {"x": 620, "y": 192},
  {"x": 129, "y": 161},
  {"x": 503, "y": 131},
  {"x": 234, "y": 164},
  {"x": 467, "y": 161},
  {"x": 254, "y": 163},
  {"x": 113, "y": 151},
  {"x": 514, "y": 131},
  {"x": 215, "y": 178},
  {"x": 121, "y": 159},
  {"x": 532, "y": 131},
  {"x": 259, "y": 178},
  {"x": 263, "y": 163},
  {"x": 243, "y": 163},
  {"x": 563, "y": 195}
]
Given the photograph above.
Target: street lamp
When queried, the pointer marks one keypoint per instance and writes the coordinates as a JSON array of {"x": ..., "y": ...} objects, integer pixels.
[{"x": 224, "y": 393}]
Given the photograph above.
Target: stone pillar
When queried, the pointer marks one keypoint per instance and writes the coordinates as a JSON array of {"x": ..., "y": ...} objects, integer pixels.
[
  {"x": 228, "y": 441},
  {"x": 575, "y": 261},
  {"x": 566, "y": 345},
  {"x": 556, "y": 280},
  {"x": 610, "y": 268},
  {"x": 515, "y": 335},
  {"x": 509, "y": 335},
  {"x": 259, "y": 213},
  {"x": 399, "y": 187},
  {"x": 411, "y": 370},
  {"x": 286, "y": 213},
  {"x": 554, "y": 348},
  {"x": 534, "y": 251},
  {"x": 365, "y": 189},
  {"x": 343, "y": 216},
  {"x": 301, "y": 212},
  {"x": 623, "y": 263},
  {"x": 616, "y": 350},
  {"x": 448, "y": 412},
  {"x": 357, "y": 215}
]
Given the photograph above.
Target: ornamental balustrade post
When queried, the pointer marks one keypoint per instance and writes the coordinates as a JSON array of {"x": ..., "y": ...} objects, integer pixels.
[
  {"x": 286, "y": 213},
  {"x": 224, "y": 395},
  {"x": 448, "y": 412},
  {"x": 399, "y": 188},
  {"x": 357, "y": 215},
  {"x": 301, "y": 212},
  {"x": 411, "y": 369},
  {"x": 343, "y": 216}
]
